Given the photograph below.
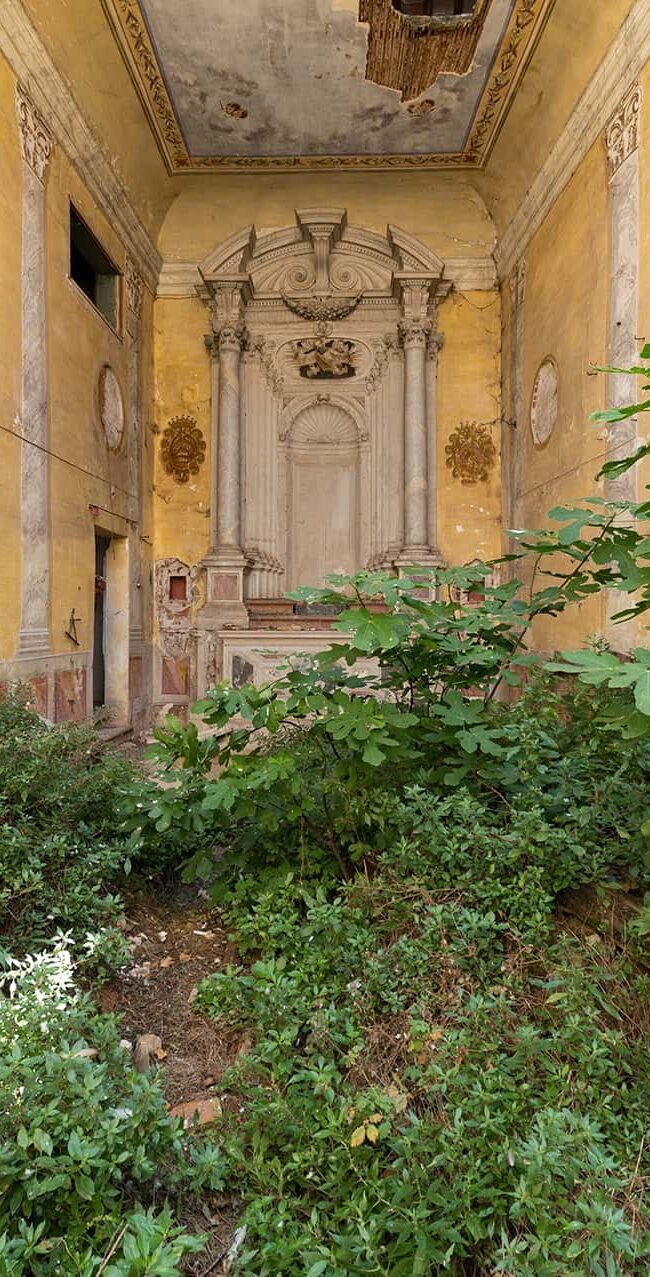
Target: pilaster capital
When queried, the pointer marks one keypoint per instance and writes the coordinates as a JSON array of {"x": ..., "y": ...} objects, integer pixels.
[
  {"x": 435, "y": 343},
  {"x": 36, "y": 140},
  {"x": 133, "y": 290},
  {"x": 414, "y": 333},
  {"x": 622, "y": 132}
]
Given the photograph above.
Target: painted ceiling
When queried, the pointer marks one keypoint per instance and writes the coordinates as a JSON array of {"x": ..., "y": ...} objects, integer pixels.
[{"x": 263, "y": 84}]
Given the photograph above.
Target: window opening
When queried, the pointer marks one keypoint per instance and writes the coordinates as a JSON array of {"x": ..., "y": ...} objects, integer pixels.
[
  {"x": 178, "y": 587},
  {"x": 92, "y": 270}
]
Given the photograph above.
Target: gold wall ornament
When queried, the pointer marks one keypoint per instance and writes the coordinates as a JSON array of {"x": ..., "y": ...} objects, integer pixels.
[
  {"x": 182, "y": 449},
  {"x": 471, "y": 453}
]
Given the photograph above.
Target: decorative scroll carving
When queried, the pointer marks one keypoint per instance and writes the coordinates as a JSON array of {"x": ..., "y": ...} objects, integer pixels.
[
  {"x": 471, "y": 453},
  {"x": 257, "y": 558},
  {"x": 133, "y": 288},
  {"x": 384, "y": 348},
  {"x": 183, "y": 448},
  {"x": 322, "y": 309},
  {"x": 409, "y": 53},
  {"x": 324, "y": 358},
  {"x": 517, "y": 44},
  {"x": 266, "y": 353},
  {"x": 622, "y": 134},
  {"x": 36, "y": 140}
]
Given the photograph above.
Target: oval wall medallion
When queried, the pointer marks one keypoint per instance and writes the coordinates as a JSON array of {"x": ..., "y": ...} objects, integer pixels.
[
  {"x": 543, "y": 407},
  {"x": 111, "y": 407},
  {"x": 182, "y": 449}
]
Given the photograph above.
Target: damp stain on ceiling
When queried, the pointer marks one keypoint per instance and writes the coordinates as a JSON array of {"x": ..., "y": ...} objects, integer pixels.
[{"x": 263, "y": 84}]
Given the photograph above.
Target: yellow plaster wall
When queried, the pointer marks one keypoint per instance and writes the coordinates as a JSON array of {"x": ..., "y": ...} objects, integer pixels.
[
  {"x": 469, "y": 515},
  {"x": 443, "y": 210},
  {"x": 80, "y": 342},
  {"x": 573, "y": 44},
  {"x": 566, "y": 317},
  {"x": 10, "y": 253},
  {"x": 181, "y": 512}
]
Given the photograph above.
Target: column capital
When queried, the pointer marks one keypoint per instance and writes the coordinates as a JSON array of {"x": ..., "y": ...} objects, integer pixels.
[
  {"x": 36, "y": 139},
  {"x": 414, "y": 333},
  {"x": 622, "y": 132},
  {"x": 231, "y": 337}
]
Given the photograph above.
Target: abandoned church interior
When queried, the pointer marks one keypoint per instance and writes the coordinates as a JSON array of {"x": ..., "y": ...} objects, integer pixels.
[{"x": 292, "y": 288}]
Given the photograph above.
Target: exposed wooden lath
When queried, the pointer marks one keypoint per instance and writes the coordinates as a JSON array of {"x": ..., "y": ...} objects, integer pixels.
[{"x": 409, "y": 53}]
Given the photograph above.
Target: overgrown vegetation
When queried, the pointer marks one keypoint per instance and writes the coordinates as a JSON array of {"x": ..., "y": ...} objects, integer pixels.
[{"x": 436, "y": 1077}]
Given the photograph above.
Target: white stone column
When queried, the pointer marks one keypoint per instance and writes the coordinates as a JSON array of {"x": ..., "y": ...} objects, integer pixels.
[
  {"x": 225, "y": 561},
  {"x": 622, "y": 145},
  {"x": 230, "y": 340},
  {"x": 36, "y": 143},
  {"x": 434, "y": 346},
  {"x": 414, "y": 335},
  {"x": 139, "y": 679},
  {"x": 133, "y": 288}
]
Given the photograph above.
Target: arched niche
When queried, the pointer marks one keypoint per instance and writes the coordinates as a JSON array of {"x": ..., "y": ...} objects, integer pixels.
[{"x": 324, "y": 512}]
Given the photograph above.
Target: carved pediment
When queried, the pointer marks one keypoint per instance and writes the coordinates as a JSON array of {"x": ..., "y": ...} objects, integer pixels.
[{"x": 321, "y": 268}]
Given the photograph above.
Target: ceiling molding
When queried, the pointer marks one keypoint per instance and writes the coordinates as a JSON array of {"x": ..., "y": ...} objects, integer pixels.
[
  {"x": 624, "y": 61},
  {"x": 33, "y": 66},
  {"x": 518, "y": 42}
]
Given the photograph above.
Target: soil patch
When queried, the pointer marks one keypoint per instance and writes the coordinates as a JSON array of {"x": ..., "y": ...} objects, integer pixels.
[{"x": 176, "y": 943}]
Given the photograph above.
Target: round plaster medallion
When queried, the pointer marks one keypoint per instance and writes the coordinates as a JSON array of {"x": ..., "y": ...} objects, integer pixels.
[
  {"x": 543, "y": 408},
  {"x": 111, "y": 407}
]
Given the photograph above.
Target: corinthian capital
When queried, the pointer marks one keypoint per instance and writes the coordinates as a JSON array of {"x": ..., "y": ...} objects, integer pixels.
[
  {"x": 414, "y": 332},
  {"x": 36, "y": 140},
  {"x": 622, "y": 133}
]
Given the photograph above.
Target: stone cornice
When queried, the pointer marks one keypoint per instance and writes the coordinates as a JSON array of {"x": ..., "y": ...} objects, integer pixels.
[
  {"x": 467, "y": 274},
  {"x": 623, "y": 62},
  {"x": 53, "y": 101},
  {"x": 35, "y": 138}
]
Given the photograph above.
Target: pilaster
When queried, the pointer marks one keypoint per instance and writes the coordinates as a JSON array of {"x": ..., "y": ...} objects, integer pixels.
[
  {"x": 36, "y": 145},
  {"x": 622, "y": 148}
]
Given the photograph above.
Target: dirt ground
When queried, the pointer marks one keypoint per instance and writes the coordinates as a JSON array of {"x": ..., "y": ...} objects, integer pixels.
[{"x": 175, "y": 944}]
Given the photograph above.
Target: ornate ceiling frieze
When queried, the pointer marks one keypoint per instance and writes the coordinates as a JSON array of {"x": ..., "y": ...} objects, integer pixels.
[{"x": 469, "y": 67}]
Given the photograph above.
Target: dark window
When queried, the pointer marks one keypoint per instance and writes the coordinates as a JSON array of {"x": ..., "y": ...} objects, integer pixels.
[
  {"x": 435, "y": 8},
  {"x": 92, "y": 271}
]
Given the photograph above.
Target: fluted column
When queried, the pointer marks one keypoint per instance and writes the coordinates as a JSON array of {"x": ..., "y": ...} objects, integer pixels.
[
  {"x": 225, "y": 561},
  {"x": 36, "y": 144},
  {"x": 230, "y": 339},
  {"x": 434, "y": 346}
]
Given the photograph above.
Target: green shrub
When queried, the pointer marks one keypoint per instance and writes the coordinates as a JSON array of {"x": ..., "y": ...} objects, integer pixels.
[
  {"x": 83, "y": 1138},
  {"x": 62, "y": 850},
  {"x": 423, "y": 1092}
]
